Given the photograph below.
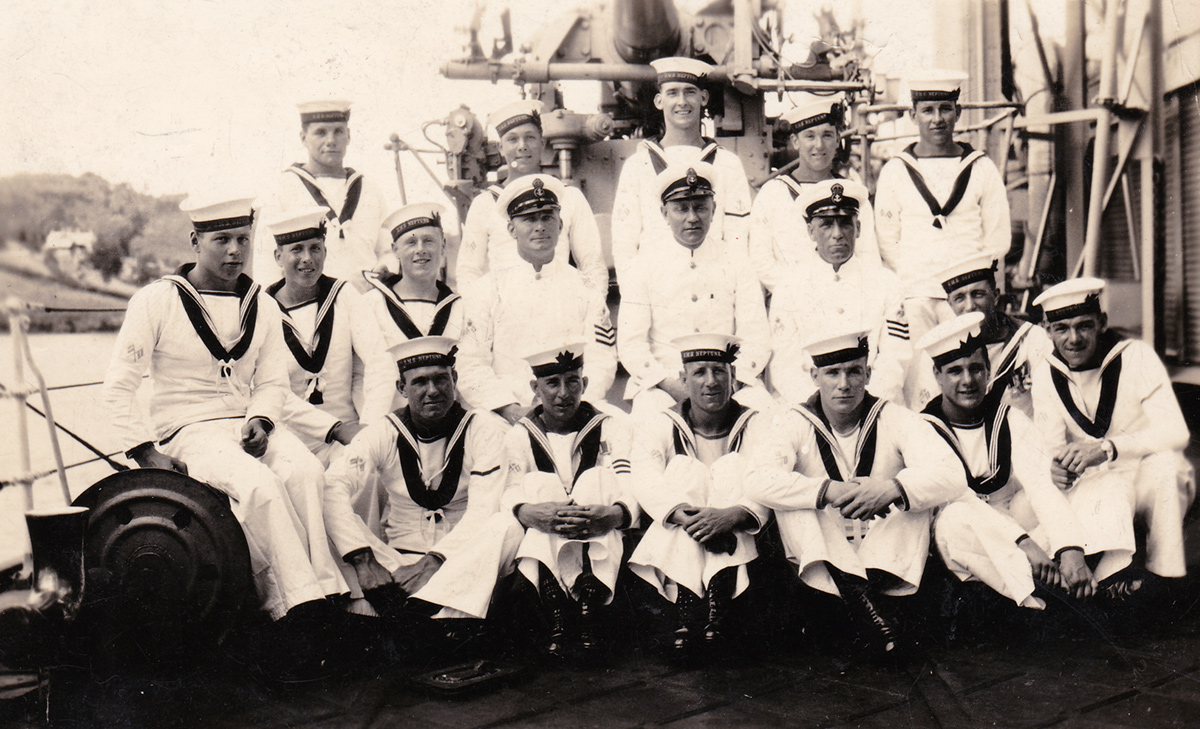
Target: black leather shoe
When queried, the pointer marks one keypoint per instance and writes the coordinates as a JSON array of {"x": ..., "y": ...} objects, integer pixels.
[{"x": 554, "y": 601}]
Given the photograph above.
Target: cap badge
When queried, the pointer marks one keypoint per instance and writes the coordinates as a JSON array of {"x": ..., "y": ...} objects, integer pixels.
[
  {"x": 692, "y": 177},
  {"x": 538, "y": 187},
  {"x": 835, "y": 193}
]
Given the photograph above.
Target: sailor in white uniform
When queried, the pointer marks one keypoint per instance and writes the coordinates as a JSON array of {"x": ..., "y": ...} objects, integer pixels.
[
  {"x": 569, "y": 485},
  {"x": 218, "y": 372},
  {"x": 777, "y": 244},
  {"x": 1014, "y": 347},
  {"x": 355, "y": 205},
  {"x": 534, "y": 306},
  {"x": 689, "y": 470},
  {"x": 1004, "y": 533},
  {"x": 836, "y": 292},
  {"x": 446, "y": 540},
  {"x": 691, "y": 285},
  {"x": 853, "y": 481},
  {"x": 937, "y": 201},
  {"x": 1110, "y": 419},
  {"x": 340, "y": 374},
  {"x": 486, "y": 243},
  {"x": 637, "y": 223}
]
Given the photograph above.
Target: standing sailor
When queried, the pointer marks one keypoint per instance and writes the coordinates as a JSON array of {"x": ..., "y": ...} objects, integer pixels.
[
  {"x": 568, "y": 480},
  {"x": 937, "y": 201},
  {"x": 336, "y": 364},
  {"x": 447, "y": 540},
  {"x": 1004, "y": 532},
  {"x": 218, "y": 370},
  {"x": 486, "y": 243},
  {"x": 1109, "y": 418},
  {"x": 689, "y": 473},
  {"x": 837, "y": 291},
  {"x": 637, "y": 223},
  {"x": 690, "y": 285},
  {"x": 355, "y": 206},
  {"x": 776, "y": 242},
  {"x": 543, "y": 302},
  {"x": 853, "y": 481}
]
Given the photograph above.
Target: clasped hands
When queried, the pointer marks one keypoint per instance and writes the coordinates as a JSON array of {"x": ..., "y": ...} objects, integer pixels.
[
  {"x": 571, "y": 521},
  {"x": 1075, "y": 458},
  {"x": 862, "y": 497}
]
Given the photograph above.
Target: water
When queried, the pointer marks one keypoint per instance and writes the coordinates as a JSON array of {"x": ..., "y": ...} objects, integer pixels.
[{"x": 64, "y": 359}]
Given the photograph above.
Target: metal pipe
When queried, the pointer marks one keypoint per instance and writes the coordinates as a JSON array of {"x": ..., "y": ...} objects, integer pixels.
[
  {"x": 58, "y": 459},
  {"x": 815, "y": 78},
  {"x": 1037, "y": 239},
  {"x": 964, "y": 104},
  {"x": 1151, "y": 193},
  {"x": 1100, "y": 155}
]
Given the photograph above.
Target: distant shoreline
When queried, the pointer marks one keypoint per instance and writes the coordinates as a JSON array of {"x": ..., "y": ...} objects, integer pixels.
[{"x": 50, "y": 291}]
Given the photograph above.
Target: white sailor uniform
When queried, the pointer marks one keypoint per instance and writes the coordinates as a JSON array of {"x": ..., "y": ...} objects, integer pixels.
[
  {"x": 637, "y": 220},
  {"x": 519, "y": 310},
  {"x": 488, "y": 246},
  {"x": 1129, "y": 400},
  {"x": 353, "y": 240},
  {"x": 587, "y": 466},
  {"x": 672, "y": 466},
  {"x": 216, "y": 361},
  {"x": 1007, "y": 467},
  {"x": 671, "y": 291},
  {"x": 336, "y": 364},
  {"x": 814, "y": 300},
  {"x": 799, "y": 455},
  {"x": 929, "y": 210},
  {"x": 443, "y": 496},
  {"x": 779, "y": 240}
]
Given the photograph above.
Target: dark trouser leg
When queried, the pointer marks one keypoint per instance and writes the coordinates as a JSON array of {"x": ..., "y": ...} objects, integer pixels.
[
  {"x": 860, "y": 600},
  {"x": 686, "y": 604},
  {"x": 592, "y": 594},
  {"x": 554, "y": 602},
  {"x": 719, "y": 593}
]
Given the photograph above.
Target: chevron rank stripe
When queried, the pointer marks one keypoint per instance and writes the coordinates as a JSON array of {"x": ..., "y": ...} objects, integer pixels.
[{"x": 606, "y": 335}]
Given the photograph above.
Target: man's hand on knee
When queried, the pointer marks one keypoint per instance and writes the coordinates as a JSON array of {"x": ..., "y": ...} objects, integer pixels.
[
  {"x": 370, "y": 573},
  {"x": 254, "y": 437},
  {"x": 151, "y": 457},
  {"x": 413, "y": 577}
]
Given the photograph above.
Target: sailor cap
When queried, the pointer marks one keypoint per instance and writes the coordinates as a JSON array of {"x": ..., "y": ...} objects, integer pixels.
[
  {"x": 952, "y": 340},
  {"x": 424, "y": 352},
  {"x": 936, "y": 85},
  {"x": 683, "y": 182},
  {"x": 531, "y": 194},
  {"x": 845, "y": 347},
  {"x": 832, "y": 198},
  {"x": 324, "y": 111},
  {"x": 213, "y": 211},
  {"x": 707, "y": 347},
  {"x": 679, "y": 69},
  {"x": 298, "y": 225},
  {"x": 557, "y": 361},
  {"x": 1072, "y": 298},
  {"x": 511, "y": 116},
  {"x": 411, "y": 217},
  {"x": 812, "y": 110},
  {"x": 979, "y": 267}
]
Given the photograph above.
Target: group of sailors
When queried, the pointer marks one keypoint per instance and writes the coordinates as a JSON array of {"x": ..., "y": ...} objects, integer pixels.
[{"x": 397, "y": 443}]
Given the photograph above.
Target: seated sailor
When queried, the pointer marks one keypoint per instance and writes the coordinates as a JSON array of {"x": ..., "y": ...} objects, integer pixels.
[
  {"x": 692, "y": 285},
  {"x": 838, "y": 291},
  {"x": 569, "y": 485},
  {"x": 218, "y": 371},
  {"x": 1111, "y": 422},
  {"x": 486, "y": 243},
  {"x": 999, "y": 535},
  {"x": 539, "y": 304},
  {"x": 1013, "y": 347},
  {"x": 853, "y": 481},
  {"x": 689, "y": 472},
  {"x": 340, "y": 374},
  {"x": 445, "y": 539}
]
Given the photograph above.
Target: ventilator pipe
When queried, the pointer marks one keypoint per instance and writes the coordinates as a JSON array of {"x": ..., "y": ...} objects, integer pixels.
[{"x": 645, "y": 29}]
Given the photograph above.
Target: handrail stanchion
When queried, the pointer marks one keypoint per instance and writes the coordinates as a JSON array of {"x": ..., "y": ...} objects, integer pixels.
[
  {"x": 18, "y": 323},
  {"x": 41, "y": 382}
]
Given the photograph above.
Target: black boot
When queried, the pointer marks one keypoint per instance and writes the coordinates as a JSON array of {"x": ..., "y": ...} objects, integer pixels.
[
  {"x": 720, "y": 591},
  {"x": 881, "y": 631},
  {"x": 686, "y": 603},
  {"x": 554, "y": 601},
  {"x": 592, "y": 594}
]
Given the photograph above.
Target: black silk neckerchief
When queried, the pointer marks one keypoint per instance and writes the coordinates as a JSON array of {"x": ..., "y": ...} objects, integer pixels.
[
  {"x": 938, "y": 210},
  {"x": 454, "y": 429},
  {"x": 996, "y": 432},
  {"x": 1110, "y": 381},
  {"x": 247, "y": 293},
  {"x": 683, "y": 440},
  {"x": 589, "y": 446},
  {"x": 658, "y": 156},
  {"x": 869, "y": 421},
  {"x": 440, "y": 318},
  {"x": 352, "y": 195},
  {"x": 312, "y": 363}
]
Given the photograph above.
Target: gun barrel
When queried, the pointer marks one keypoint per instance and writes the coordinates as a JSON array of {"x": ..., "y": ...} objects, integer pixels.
[{"x": 645, "y": 29}]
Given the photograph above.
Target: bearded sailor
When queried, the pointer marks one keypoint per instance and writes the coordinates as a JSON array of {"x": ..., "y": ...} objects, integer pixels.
[
  {"x": 837, "y": 291},
  {"x": 777, "y": 244},
  {"x": 486, "y": 243},
  {"x": 568, "y": 484},
  {"x": 354, "y": 206},
  {"x": 1005, "y": 532},
  {"x": 939, "y": 200},
  {"x": 542, "y": 302},
  {"x": 853, "y": 481},
  {"x": 218, "y": 370},
  {"x": 1111, "y": 422},
  {"x": 637, "y": 223},
  {"x": 689, "y": 476},
  {"x": 340, "y": 374},
  {"x": 692, "y": 285},
  {"x": 445, "y": 539}
]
